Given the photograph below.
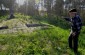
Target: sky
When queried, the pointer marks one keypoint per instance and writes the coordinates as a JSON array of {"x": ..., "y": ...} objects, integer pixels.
[
  {"x": 20, "y": 2},
  {"x": 64, "y": 0}
]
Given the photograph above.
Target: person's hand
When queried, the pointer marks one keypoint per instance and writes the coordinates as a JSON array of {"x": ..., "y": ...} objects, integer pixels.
[
  {"x": 62, "y": 17},
  {"x": 74, "y": 33}
]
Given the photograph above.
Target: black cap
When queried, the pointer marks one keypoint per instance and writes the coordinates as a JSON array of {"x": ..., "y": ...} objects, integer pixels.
[{"x": 73, "y": 10}]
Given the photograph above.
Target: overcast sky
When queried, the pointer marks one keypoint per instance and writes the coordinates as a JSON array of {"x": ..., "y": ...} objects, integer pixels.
[{"x": 20, "y": 1}]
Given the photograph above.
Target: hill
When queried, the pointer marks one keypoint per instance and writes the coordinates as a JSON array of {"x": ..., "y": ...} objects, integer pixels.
[{"x": 50, "y": 40}]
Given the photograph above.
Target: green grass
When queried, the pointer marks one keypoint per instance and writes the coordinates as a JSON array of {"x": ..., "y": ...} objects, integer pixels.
[
  {"x": 41, "y": 42},
  {"x": 51, "y": 41}
]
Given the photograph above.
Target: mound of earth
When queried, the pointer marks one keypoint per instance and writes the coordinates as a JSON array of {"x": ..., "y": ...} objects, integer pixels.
[{"x": 18, "y": 25}]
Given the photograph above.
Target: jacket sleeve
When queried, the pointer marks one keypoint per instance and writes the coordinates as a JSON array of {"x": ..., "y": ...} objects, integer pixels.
[
  {"x": 67, "y": 19},
  {"x": 78, "y": 24}
]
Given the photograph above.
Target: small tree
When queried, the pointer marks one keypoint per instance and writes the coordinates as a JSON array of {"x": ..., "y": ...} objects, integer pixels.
[
  {"x": 48, "y": 6},
  {"x": 10, "y": 4},
  {"x": 31, "y": 7},
  {"x": 58, "y": 8}
]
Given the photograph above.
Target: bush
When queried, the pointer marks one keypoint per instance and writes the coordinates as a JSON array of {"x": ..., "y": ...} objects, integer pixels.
[
  {"x": 54, "y": 20},
  {"x": 3, "y": 12}
]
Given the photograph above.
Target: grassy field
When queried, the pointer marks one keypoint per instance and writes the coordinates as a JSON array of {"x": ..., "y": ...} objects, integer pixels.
[{"x": 50, "y": 41}]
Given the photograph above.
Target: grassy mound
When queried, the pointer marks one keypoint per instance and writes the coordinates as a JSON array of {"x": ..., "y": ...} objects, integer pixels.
[
  {"x": 18, "y": 24},
  {"x": 51, "y": 41}
]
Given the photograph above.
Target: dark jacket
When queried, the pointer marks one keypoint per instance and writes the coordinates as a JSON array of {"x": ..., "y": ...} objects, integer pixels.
[{"x": 76, "y": 23}]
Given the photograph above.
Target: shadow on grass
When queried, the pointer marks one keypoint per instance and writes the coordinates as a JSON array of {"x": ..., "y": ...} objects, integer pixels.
[{"x": 78, "y": 53}]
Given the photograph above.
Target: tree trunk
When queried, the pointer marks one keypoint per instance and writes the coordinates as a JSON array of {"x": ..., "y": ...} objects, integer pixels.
[
  {"x": 1, "y": 7},
  {"x": 11, "y": 12}
]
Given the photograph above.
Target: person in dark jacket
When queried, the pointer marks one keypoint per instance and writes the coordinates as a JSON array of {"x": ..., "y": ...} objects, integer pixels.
[{"x": 76, "y": 25}]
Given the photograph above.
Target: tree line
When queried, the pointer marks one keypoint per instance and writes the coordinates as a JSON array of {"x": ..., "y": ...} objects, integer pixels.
[{"x": 44, "y": 7}]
